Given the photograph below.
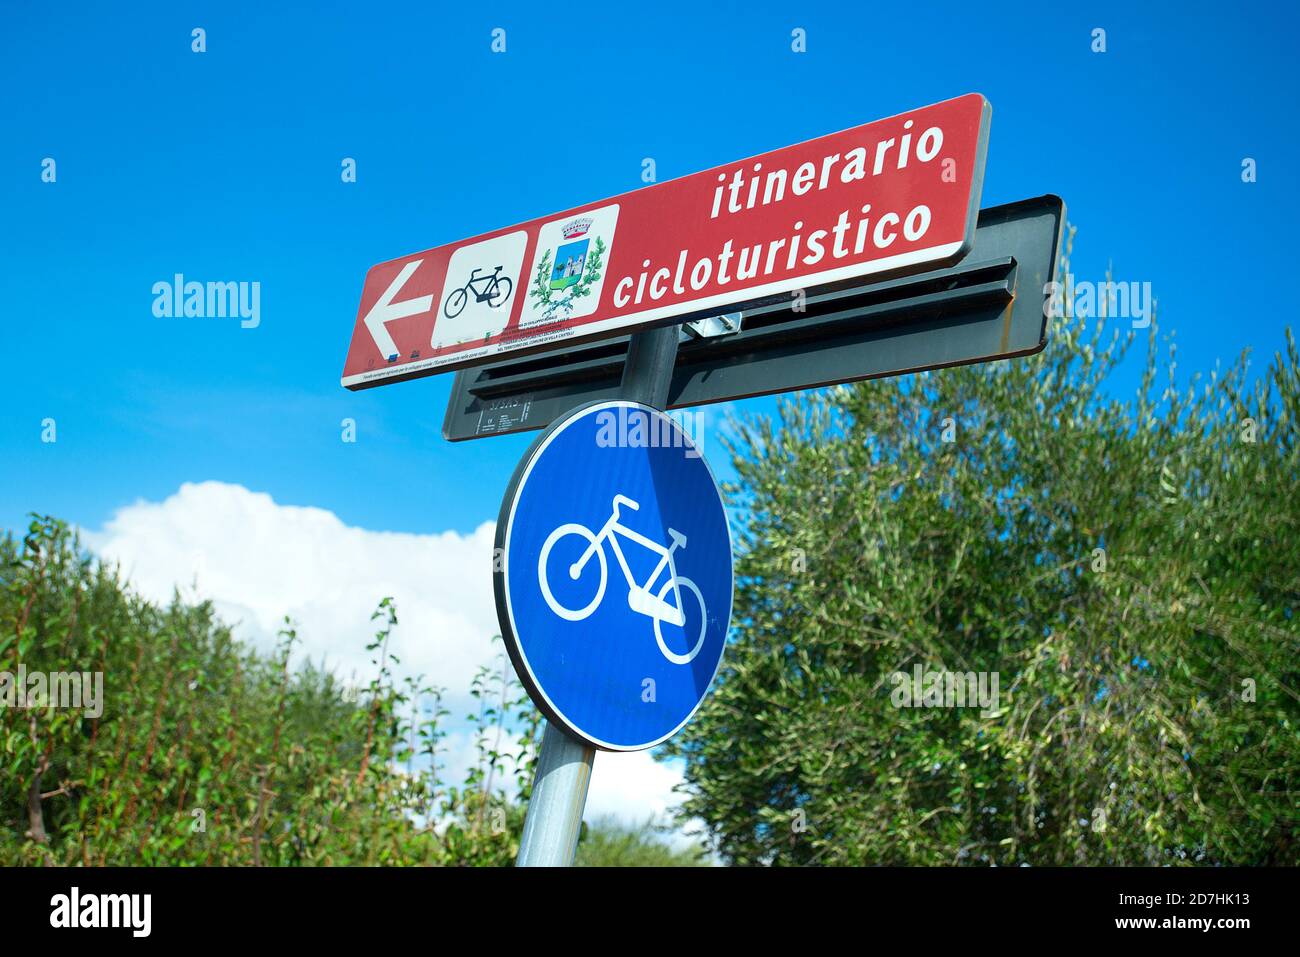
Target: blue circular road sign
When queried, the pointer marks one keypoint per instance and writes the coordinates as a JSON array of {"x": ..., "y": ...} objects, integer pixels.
[{"x": 614, "y": 581}]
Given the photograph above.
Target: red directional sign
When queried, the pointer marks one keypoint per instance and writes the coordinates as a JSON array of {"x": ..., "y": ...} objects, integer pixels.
[{"x": 892, "y": 196}]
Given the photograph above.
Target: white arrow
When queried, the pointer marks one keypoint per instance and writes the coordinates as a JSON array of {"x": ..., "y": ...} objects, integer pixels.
[{"x": 385, "y": 310}]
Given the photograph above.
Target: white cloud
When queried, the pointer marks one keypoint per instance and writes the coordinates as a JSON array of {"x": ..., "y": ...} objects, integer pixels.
[
  {"x": 259, "y": 561},
  {"x": 633, "y": 787}
]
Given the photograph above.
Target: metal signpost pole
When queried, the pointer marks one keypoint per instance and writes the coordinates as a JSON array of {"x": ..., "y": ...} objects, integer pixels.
[
  {"x": 554, "y": 818},
  {"x": 559, "y": 795},
  {"x": 649, "y": 369}
]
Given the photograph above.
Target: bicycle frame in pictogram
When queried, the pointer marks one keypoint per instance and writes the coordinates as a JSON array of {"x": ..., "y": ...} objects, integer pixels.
[
  {"x": 640, "y": 598},
  {"x": 494, "y": 290}
]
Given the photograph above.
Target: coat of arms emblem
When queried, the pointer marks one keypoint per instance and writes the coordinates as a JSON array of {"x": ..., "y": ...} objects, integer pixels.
[
  {"x": 567, "y": 273},
  {"x": 570, "y": 257}
]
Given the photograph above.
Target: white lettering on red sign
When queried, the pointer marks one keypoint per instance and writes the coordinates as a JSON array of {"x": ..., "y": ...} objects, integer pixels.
[{"x": 893, "y": 195}]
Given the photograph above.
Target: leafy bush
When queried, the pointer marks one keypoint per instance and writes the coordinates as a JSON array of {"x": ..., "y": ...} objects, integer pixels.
[
  {"x": 207, "y": 753},
  {"x": 1129, "y": 570}
]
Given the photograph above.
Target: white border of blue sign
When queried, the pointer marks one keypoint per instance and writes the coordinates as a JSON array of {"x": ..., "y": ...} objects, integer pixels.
[{"x": 505, "y": 615}]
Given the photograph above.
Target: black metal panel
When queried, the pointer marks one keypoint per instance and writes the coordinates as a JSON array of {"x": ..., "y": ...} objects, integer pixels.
[{"x": 989, "y": 306}]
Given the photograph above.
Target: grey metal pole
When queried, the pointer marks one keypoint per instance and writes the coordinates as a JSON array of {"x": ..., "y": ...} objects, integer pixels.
[
  {"x": 649, "y": 368},
  {"x": 559, "y": 795},
  {"x": 554, "y": 818}
]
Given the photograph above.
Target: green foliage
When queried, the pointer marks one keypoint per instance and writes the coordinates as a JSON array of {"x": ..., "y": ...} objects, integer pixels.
[
  {"x": 611, "y": 844},
  {"x": 209, "y": 754},
  {"x": 1127, "y": 568}
]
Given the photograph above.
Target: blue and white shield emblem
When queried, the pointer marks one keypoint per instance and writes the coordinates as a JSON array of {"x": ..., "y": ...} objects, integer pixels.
[{"x": 569, "y": 260}]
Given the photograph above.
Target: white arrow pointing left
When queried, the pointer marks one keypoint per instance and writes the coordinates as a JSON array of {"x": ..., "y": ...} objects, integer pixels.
[{"x": 385, "y": 310}]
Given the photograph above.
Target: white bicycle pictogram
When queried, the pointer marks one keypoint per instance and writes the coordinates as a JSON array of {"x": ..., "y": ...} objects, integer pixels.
[{"x": 639, "y": 597}]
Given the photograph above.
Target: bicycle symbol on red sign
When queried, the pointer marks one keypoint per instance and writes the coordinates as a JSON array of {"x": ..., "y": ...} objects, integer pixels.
[{"x": 494, "y": 290}]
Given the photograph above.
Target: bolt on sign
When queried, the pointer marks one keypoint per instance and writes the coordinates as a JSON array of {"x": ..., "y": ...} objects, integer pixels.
[{"x": 892, "y": 196}]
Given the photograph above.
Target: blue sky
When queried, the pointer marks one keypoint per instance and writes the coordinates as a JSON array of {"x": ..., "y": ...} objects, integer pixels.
[{"x": 225, "y": 166}]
